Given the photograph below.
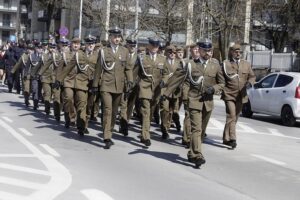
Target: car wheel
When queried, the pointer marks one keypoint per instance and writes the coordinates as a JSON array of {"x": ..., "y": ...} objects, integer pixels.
[
  {"x": 246, "y": 110},
  {"x": 287, "y": 116}
]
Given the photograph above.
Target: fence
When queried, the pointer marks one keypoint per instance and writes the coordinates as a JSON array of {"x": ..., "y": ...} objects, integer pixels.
[{"x": 274, "y": 61}]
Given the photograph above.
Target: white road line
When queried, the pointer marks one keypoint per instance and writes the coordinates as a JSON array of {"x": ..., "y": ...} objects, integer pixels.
[
  {"x": 270, "y": 160},
  {"x": 246, "y": 128},
  {"x": 216, "y": 123},
  {"x": 24, "y": 169},
  {"x": 7, "y": 119},
  {"x": 275, "y": 132},
  {"x": 93, "y": 194},
  {"x": 21, "y": 183},
  {"x": 17, "y": 155},
  {"x": 25, "y": 132},
  {"x": 50, "y": 150},
  {"x": 10, "y": 196}
]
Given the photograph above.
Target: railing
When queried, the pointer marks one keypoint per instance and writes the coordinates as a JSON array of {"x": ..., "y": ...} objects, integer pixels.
[{"x": 274, "y": 61}]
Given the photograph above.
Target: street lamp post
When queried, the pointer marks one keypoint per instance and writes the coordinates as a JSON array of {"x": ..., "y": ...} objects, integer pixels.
[{"x": 80, "y": 19}]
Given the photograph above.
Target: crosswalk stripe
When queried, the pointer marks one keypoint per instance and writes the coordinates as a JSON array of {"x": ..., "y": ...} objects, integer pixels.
[
  {"x": 10, "y": 196},
  {"x": 270, "y": 160},
  {"x": 23, "y": 169},
  {"x": 21, "y": 183},
  {"x": 216, "y": 123},
  {"x": 25, "y": 132},
  {"x": 93, "y": 194},
  {"x": 246, "y": 128},
  {"x": 50, "y": 150},
  {"x": 7, "y": 119}
]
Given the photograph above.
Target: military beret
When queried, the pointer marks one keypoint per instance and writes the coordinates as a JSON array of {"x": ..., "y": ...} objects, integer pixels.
[
  {"x": 75, "y": 40},
  {"x": 171, "y": 48},
  {"x": 179, "y": 49},
  {"x": 115, "y": 31},
  {"x": 236, "y": 47},
  {"x": 154, "y": 41},
  {"x": 52, "y": 45},
  {"x": 64, "y": 41},
  {"x": 205, "y": 43},
  {"x": 90, "y": 39},
  {"x": 131, "y": 42}
]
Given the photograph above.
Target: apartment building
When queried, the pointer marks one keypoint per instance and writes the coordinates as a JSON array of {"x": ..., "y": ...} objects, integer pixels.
[{"x": 9, "y": 15}]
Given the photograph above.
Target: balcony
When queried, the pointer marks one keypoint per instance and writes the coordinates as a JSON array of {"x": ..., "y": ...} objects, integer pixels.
[
  {"x": 8, "y": 8},
  {"x": 7, "y": 25},
  {"x": 43, "y": 15}
]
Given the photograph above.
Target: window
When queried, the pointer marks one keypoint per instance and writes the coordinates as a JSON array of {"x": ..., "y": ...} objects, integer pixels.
[
  {"x": 7, "y": 3},
  {"x": 283, "y": 80},
  {"x": 268, "y": 82},
  {"x": 5, "y": 36},
  {"x": 6, "y": 19}
]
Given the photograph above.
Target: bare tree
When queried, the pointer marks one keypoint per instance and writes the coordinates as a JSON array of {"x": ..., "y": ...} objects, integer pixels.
[{"x": 277, "y": 20}]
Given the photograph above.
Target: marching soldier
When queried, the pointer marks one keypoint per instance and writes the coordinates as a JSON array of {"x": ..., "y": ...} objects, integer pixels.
[
  {"x": 69, "y": 81},
  {"x": 168, "y": 105},
  {"x": 238, "y": 77},
  {"x": 23, "y": 65},
  {"x": 112, "y": 72},
  {"x": 82, "y": 65},
  {"x": 127, "y": 103},
  {"x": 153, "y": 74},
  {"x": 205, "y": 78}
]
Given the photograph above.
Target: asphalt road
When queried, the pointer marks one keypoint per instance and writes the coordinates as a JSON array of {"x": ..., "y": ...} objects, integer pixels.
[{"x": 41, "y": 160}]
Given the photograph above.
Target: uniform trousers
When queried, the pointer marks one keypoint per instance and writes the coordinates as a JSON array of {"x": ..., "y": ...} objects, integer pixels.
[
  {"x": 233, "y": 109},
  {"x": 81, "y": 98},
  {"x": 68, "y": 101},
  {"x": 111, "y": 102},
  {"x": 198, "y": 117},
  {"x": 187, "y": 123}
]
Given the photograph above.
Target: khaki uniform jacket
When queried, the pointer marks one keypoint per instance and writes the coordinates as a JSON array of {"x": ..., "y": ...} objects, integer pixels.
[
  {"x": 156, "y": 71},
  {"x": 69, "y": 81},
  {"x": 113, "y": 70},
  {"x": 135, "y": 70},
  {"x": 236, "y": 85},
  {"x": 21, "y": 62},
  {"x": 171, "y": 70},
  {"x": 33, "y": 65},
  {"x": 84, "y": 66},
  {"x": 178, "y": 81},
  {"x": 50, "y": 67},
  {"x": 213, "y": 76}
]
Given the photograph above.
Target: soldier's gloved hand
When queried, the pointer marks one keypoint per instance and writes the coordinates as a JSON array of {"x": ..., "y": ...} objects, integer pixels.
[
  {"x": 210, "y": 90},
  {"x": 163, "y": 98},
  {"x": 248, "y": 85},
  {"x": 94, "y": 90},
  {"x": 162, "y": 84},
  {"x": 129, "y": 86},
  {"x": 56, "y": 85}
]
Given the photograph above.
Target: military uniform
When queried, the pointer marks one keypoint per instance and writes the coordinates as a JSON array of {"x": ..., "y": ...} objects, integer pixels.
[
  {"x": 81, "y": 67},
  {"x": 152, "y": 72},
  {"x": 22, "y": 65},
  {"x": 129, "y": 98},
  {"x": 238, "y": 74},
  {"x": 112, "y": 72}
]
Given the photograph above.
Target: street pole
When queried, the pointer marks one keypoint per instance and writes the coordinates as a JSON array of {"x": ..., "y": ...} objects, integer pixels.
[
  {"x": 189, "y": 26},
  {"x": 136, "y": 24},
  {"x": 80, "y": 19},
  {"x": 107, "y": 17},
  {"x": 247, "y": 27}
]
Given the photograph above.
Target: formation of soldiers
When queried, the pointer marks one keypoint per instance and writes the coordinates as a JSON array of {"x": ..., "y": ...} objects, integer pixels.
[{"x": 144, "y": 81}]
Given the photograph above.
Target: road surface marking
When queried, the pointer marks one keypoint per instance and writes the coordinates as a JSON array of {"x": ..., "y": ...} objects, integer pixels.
[
  {"x": 21, "y": 183},
  {"x": 17, "y": 155},
  {"x": 7, "y": 119},
  {"x": 23, "y": 169},
  {"x": 246, "y": 128},
  {"x": 93, "y": 194},
  {"x": 275, "y": 132},
  {"x": 50, "y": 150},
  {"x": 216, "y": 123},
  {"x": 60, "y": 179},
  {"x": 270, "y": 160},
  {"x": 10, "y": 196},
  {"x": 25, "y": 132}
]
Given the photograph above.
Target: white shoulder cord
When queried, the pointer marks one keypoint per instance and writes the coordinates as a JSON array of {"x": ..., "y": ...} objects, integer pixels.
[
  {"x": 64, "y": 58},
  {"x": 104, "y": 64},
  {"x": 42, "y": 57},
  {"x": 197, "y": 82},
  {"x": 23, "y": 61},
  {"x": 225, "y": 71},
  {"x": 33, "y": 63},
  {"x": 142, "y": 66},
  {"x": 54, "y": 60},
  {"x": 81, "y": 67}
]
